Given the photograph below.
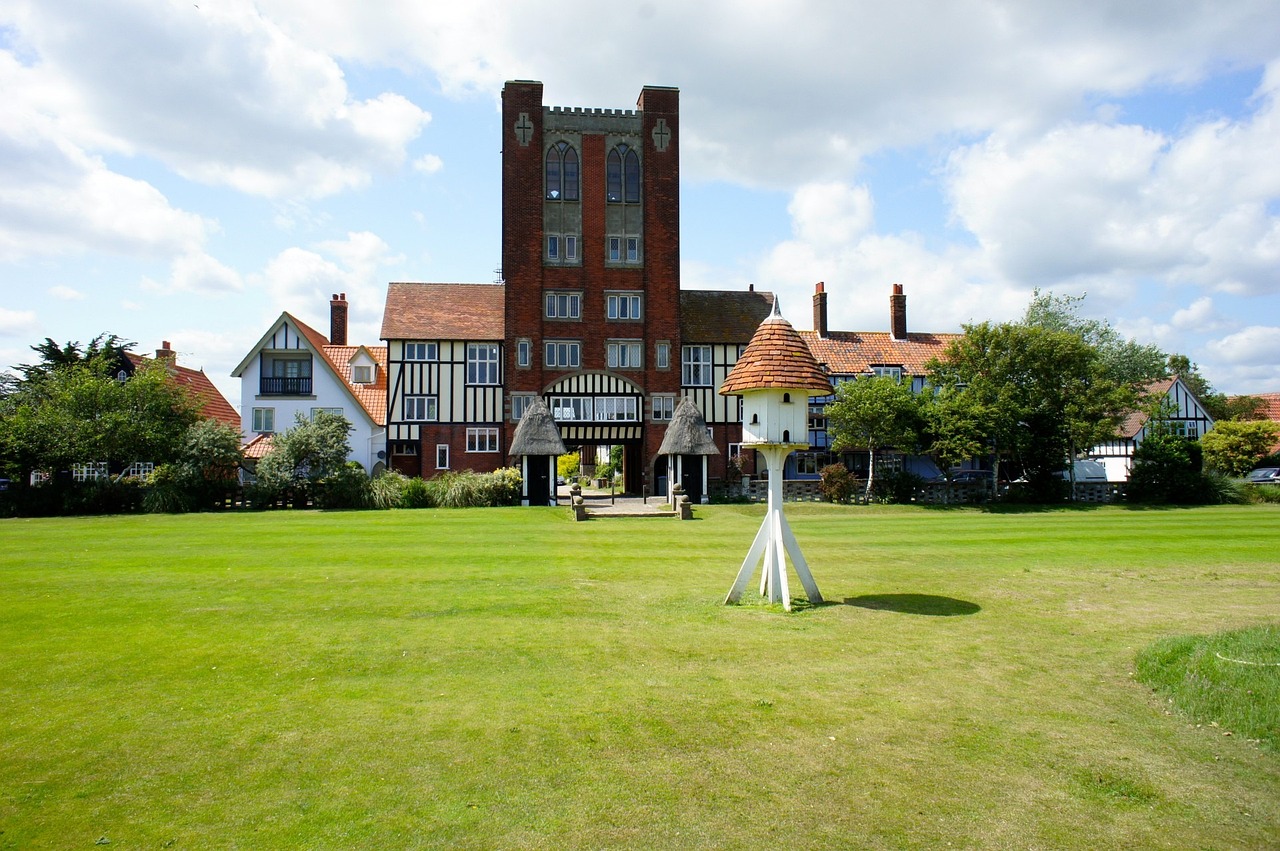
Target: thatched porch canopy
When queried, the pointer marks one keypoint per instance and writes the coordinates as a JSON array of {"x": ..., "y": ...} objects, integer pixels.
[
  {"x": 537, "y": 434},
  {"x": 687, "y": 432}
]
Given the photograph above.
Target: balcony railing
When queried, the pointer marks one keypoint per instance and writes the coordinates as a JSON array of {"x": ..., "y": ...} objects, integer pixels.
[{"x": 272, "y": 386}]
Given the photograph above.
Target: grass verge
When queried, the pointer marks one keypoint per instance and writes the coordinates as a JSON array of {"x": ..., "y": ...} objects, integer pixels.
[{"x": 507, "y": 678}]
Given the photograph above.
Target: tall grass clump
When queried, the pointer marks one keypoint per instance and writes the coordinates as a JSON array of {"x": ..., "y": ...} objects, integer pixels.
[
  {"x": 386, "y": 490},
  {"x": 416, "y": 493},
  {"x": 1231, "y": 679}
]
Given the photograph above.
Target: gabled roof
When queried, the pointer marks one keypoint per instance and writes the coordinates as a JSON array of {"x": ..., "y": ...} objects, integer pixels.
[
  {"x": 371, "y": 398},
  {"x": 855, "y": 352},
  {"x": 687, "y": 432},
  {"x": 776, "y": 357},
  {"x": 1137, "y": 419},
  {"x": 722, "y": 316},
  {"x": 257, "y": 449},
  {"x": 212, "y": 404},
  {"x": 444, "y": 312}
]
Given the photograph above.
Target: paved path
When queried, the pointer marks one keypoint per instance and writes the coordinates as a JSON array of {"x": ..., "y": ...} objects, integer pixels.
[{"x": 600, "y": 505}]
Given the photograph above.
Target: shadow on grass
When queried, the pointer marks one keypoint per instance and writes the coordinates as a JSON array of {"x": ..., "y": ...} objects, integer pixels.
[{"x": 914, "y": 604}]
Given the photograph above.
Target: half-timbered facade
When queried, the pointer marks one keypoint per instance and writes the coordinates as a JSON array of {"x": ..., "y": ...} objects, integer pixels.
[{"x": 1183, "y": 415}]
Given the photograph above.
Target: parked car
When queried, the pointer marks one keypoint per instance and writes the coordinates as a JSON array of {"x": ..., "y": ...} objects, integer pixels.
[
  {"x": 1264, "y": 476},
  {"x": 961, "y": 477}
]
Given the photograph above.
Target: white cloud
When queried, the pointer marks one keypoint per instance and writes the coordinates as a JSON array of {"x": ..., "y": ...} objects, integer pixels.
[
  {"x": 1256, "y": 345},
  {"x": 218, "y": 92},
  {"x": 428, "y": 164},
  {"x": 66, "y": 294},
  {"x": 302, "y": 281},
  {"x": 16, "y": 323}
]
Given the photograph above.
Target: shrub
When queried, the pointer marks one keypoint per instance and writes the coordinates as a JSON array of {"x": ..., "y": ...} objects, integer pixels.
[
  {"x": 1219, "y": 489},
  {"x": 1166, "y": 469},
  {"x": 346, "y": 487},
  {"x": 1261, "y": 493},
  {"x": 898, "y": 488},
  {"x": 166, "y": 492},
  {"x": 415, "y": 493},
  {"x": 505, "y": 486},
  {"x": 838, "y": 484}
]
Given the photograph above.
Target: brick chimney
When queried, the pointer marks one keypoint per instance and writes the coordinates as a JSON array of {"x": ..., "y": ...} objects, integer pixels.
[
  {"x": 820, "y": 308},
  {"x": 898, "y": 314},
  {"x": 338, "y": 319},
  {"x": 166, "y": 352}
]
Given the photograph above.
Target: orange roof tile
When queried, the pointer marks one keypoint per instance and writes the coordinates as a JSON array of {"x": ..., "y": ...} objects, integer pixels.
[
  {"x": 211, "y": 403},
  {"x": 371, "y": 397},
  {"x": 776, "y": 357},
  {"x": 444, "y": 312},
  {"x": 855, "y": 352},
  {"x": 257, "y": 448}
]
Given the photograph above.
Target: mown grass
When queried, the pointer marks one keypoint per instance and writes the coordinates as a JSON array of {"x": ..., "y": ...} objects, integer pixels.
[
  {"x": 506, "y": 678},
  {"x": 1230, "y": 680}
]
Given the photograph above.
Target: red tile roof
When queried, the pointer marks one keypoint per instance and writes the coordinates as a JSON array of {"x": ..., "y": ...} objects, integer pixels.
[
  {"x": 372, "y": 397},
  {"x": 1137, "y": 419},
  {"x": 776, "y": 357},
  {"x": 1270, "y": 410},
  {"x": 444, "y": 312},
  {"x": 212, "y": 404},
  {"x": 257, "y": 448},
  {"x": 855, "y": 352}
]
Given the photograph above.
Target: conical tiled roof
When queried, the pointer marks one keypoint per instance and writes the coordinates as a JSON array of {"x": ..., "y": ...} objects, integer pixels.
[
  {"x": 776, "y": 358},
  {"x": 687, "y": 432},
  {"x": 537, "y": 433}
]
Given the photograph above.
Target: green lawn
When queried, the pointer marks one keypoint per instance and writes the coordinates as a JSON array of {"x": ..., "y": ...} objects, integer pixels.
[{"x": 507, "y": 678}]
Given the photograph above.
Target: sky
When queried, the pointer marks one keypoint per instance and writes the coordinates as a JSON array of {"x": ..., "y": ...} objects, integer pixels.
[{"x": 185, "y": 171}]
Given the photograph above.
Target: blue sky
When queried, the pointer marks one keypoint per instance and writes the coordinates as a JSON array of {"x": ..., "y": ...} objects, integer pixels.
[{"x": 185, "y": 171}]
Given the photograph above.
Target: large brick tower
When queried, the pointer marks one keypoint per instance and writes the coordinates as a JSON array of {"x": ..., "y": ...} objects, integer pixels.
[{"x": 591, "y": 261}]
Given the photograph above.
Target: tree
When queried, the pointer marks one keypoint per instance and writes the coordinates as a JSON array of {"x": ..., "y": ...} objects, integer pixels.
[
  {"x": 1166, "y": 469},
  {"x": 1234, "y": 448},
  {"x": 1046, "y": 394},
  {"x": 106, "y": 354},
  {"x": 873, "y": 413},
  {"x": 304, "y": 456},
  {"x": 76, "y": 412},
  {"x": 1124, "y": 360},
  {"x": 957, "y": 427}
]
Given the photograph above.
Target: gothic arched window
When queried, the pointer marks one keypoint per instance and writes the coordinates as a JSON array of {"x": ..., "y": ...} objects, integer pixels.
[
  {"x": 622, "y": 175},
  {"x": 562, "y": 172}
]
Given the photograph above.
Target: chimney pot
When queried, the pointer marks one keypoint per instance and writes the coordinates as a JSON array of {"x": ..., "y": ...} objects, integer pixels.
[
  {"x": 338, "y": 319},
  {"x": 898, "y": 314},
  {"x": 820, "y": 309},
  {"x": 165, "y": 352}
]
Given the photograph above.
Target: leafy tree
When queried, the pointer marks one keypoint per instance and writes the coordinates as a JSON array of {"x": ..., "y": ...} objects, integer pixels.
[
  {"x": 873, "y": 413},
  {"x": 1235, "y": 448},
  {"x": 1218, "y": 405},
  {"x": 1124, "y": 360},
  {"x": 105, "y": 354},
  {"x": 77, "y": 413},
  {"x": 1044, "y": 394},
  {"x": 1166, "y": 469},
  {"x": 304, "y": 456}
]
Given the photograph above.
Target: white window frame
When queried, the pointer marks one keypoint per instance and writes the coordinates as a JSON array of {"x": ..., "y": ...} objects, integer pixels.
[
  {"x": 702, "y": 365},
  {"x": 885, "y": 371},
  {"x": 520, "y": 403},
  {"x": 571, "y": 350},
  {"x": 421, "y": 350},
  {"x": 323, "y": 410},
  {"x": 562, "y": 304},
  {"x": 419, "y": 409},
  {"x": 483, "y": 364},
  {"x": 624, "y": 354},
  {"x": 633, "y": 249},
  {"x": 614, "y": 250},
  {"x": 482, "y": 440},
  {"x": 263, "y": 421},
  {"x": 89, "y": 471},
  {"x": 442, "y": 456},
  {"x": 553, "y": 247},
  {"x": 361, "y": 374},
  {"x": 524, "y": 352},
  {"x": 662, "y": 354},
  {"x": 663, "y": 407},
  {"x": 571, "y": 247},
  {"x": 624, "y": 306}
]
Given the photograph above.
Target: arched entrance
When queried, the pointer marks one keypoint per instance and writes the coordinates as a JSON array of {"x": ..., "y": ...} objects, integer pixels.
[{"x": 600, "y": 409}]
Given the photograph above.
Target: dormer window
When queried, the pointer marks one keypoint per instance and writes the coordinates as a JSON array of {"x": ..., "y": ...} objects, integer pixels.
[{"x": 362, "y": 374}]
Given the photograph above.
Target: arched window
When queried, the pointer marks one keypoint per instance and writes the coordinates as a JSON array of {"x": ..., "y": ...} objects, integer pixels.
[
  {"x": 622, "y": 175},
  {"x": 562, "y": 172}
]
